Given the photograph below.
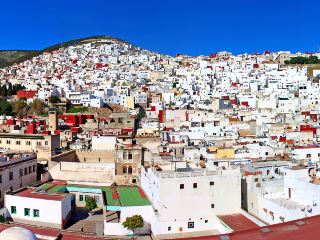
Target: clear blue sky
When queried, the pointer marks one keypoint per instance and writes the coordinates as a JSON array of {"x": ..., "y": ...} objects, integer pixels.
[{"x": 167, "y": 26}]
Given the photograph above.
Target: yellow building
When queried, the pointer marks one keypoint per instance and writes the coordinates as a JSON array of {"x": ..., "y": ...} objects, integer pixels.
[{"x": 225, "y": 153}]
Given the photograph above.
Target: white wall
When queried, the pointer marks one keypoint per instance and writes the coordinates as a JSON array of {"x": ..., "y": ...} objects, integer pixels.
[
  {"x": 106, "y": 143},
  {"x": 46, "y": 209}
]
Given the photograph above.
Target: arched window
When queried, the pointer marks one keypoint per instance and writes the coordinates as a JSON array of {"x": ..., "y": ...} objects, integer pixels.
[
  {"x": 129, "y": 170},
  {"x": 124, "y": 169}
]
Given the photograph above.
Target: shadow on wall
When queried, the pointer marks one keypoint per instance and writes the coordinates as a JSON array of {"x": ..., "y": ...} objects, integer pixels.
[{"x": 146, "y": 229}]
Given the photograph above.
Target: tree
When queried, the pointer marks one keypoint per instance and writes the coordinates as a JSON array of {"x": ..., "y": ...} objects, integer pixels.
[
  {"x": 90, "y": 204},
  {"x": 5, "y": 108},
  {"x": 54, "y": 99},
  {"x": 133, "y": 222},
  {"x": 142, "y": 113},
  {"x": 37, "y": 106},
  {"x": 4, "y": 91},
  {"x": 20, "y": 107}
]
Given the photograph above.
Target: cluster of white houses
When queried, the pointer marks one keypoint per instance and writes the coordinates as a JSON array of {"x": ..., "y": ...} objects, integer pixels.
[{"x": 200, "y": 140}]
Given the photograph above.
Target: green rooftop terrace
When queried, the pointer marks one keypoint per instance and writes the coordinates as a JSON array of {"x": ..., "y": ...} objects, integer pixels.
[{"x": 124, "y": 196}]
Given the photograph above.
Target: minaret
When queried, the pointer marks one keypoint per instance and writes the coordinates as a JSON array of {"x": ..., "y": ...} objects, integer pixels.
[{"x": 53, "y": 121}]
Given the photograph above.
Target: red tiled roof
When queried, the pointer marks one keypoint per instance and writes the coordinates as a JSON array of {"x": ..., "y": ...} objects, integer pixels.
[
  {"x": 29, "y": 193},
  {"x": 238, "y": 222},
  {"x": 305, "y": 228}
]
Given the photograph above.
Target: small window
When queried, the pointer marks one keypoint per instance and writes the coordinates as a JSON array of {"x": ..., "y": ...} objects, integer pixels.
[
  {"x": 86, "y": 197},
  {"x": 256, "y": 179},
  {"x": 36, "y": 213},
  {"x": 33, "y": 168},
  {"x": 190, "y": 224},
  {"x": 0, "y": 178},
  {"x": 27, "y": 212},
  {"x": 212, "y": 205},
  {"x": 30, "y": 169},
  {"x": 25, "y": 171},
  {"x": 211, "y": 183},
  {"x": 81, "y": 198},
  {"x": 169, "y": 228},
  {"x": 181, "y": 186},
  {"x": 18, "y": 142},
  {"x": 13, "y": 209},
  {"x": 10, "y": 176},
  {"x": 46, "y": 143},
  {"x": 195, "y": 185},
  {"x": 205, "y": 221}
]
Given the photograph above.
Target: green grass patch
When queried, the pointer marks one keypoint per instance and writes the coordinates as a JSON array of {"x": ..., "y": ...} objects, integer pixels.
[{"x": 77, "y": 110}]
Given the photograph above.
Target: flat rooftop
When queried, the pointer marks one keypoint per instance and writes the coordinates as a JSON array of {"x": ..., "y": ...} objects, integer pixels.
[
  {"x": 33, "y": 193},
  {"x": 113, "y": 196}
]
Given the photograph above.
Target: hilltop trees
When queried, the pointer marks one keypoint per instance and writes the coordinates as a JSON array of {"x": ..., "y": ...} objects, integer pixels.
[{"x": 303, "y": 60}]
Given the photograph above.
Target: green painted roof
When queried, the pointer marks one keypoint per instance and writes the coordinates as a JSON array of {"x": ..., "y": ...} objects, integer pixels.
[
  {"x": 130, "y": 196},
  {"x": 46, "y": 185},
  {"x": 108, "y": 196},
  {"x": 57, "y": 189}
]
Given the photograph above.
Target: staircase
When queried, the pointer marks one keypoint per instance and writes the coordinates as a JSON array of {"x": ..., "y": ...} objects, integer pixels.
[{"x": 112, "y": 216}]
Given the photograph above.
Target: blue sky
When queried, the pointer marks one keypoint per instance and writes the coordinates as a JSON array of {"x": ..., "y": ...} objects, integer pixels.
[{"x": 167, "y": 26}]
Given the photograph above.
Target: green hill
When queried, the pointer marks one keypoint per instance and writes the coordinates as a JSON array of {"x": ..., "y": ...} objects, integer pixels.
[{"x": 9, "y": 57}]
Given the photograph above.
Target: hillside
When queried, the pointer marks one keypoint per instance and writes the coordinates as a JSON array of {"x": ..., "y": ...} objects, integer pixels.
[{"x": 9, "y": 57}]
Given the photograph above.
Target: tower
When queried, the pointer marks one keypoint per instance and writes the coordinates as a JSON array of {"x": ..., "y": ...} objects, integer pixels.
[{"x": 53, "y": 121}]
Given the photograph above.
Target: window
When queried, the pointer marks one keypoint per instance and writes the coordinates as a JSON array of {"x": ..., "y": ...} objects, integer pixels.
[
  {"x": 181, "y": 186},
  {"x": 190, "y": 224},
  {"x": 195, "y": 185},
  {"x": 18, "y": 142},
  {"x": 30, "y": 169},
  {"x": 211, "y": 183},
  {"x": 25, "y": 171},
  {"x": 86, "y": 197},
  {"x": 205, "y": 221},
  {"x": 0, "y": 178},
  {"x": 33, "y": 168},
  {"x": 130, "y": 155},
  {"x": 212, "y": 205},
  {"x": 28, "y": 143},
  {"x": 10, "y": 176},
  {"x": 46, "y": 143},
  {"x": 81, "y": 198},
  {"x": 169, "y": 228},
  {"x": 8, "y": 141},
  {"x": 27, "y": 212},
  {"x": 13, "y": 209},
  {"x": 21, "y": 172},
  {"x": 36, "y": 213}
]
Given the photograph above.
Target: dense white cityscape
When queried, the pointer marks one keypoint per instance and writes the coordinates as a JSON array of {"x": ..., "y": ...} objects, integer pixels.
[{"x": 108, "y": 141}]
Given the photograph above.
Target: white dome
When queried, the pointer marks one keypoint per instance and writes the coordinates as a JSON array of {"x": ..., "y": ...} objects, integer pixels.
[{"x": 17, "y": 233}]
